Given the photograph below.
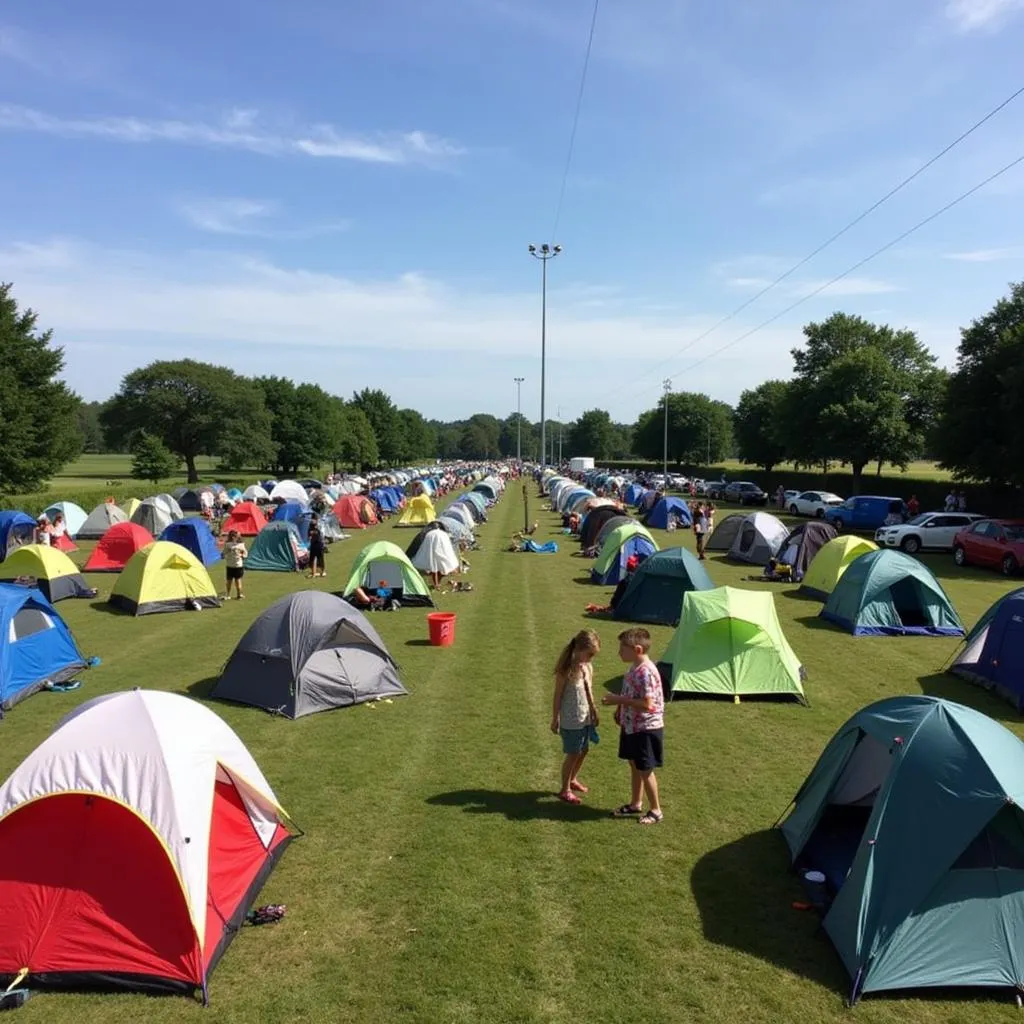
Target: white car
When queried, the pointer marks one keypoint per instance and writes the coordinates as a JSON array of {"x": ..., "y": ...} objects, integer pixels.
[
  {"x": 929, "y": 531},
  {"x": 813, "y": 503}
]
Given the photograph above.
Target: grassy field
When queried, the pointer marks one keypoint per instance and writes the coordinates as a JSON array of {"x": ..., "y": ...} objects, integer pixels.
[
  {"x": 921, "y": 470},
  {"x": 440, "y": 881}
]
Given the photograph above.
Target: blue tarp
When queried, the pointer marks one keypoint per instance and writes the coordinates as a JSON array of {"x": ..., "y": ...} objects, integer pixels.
[{"x": 540, "y": 549}]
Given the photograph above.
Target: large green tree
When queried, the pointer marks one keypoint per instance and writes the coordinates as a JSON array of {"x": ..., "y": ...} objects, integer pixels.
[
  {"x": 869, "y": 393},
  {"x": 305, "y": 424},
  {"x": 699, "y": 430},
  {"x": 357, "y": 443},
  {"x": 152, "y": 460},
  {"x": 38, "y": 413},
  {"x": 592, "y": 434},
  {"x": 383, "y": 416},
  {"x": 480, "y": 437},
  {"x": 87, "y": 417},
  {"x": 515, "y": 432},
  {"x": 980, "y": 435},
  {"x": 758, "y": 424},
  {"x": 194, "y": 408},
  {"x": 418, "y": 437}
]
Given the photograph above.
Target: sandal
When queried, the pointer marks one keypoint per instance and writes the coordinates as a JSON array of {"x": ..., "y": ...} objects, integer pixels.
[
  {"x": 651, "y": 818},
  {"x": 578, "y": 787},
  {"x": 626, "y": 811},
  {"x": 569, "y": 798}
]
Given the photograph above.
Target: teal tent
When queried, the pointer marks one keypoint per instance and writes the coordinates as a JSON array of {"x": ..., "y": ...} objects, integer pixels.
[
  {"x": 277, "y": 548},
  {"x": 654, "y": 593},
  {"x": 914, "y": 815},
  {"x": 888, "y": 593}
]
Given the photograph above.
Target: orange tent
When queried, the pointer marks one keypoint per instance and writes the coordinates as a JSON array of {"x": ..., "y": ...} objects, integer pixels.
[
  {"x": 355, "y": 511},
  {"x": 246, "y": 518}
]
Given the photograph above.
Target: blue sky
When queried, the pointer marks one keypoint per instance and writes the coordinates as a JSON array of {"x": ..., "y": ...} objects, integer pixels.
[{"x": 344, "y": 192}]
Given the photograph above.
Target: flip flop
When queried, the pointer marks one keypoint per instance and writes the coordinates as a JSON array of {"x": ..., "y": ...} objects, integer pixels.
[
  {"x": 627, "y": 811},
  {"x": 569, "y": 798}
]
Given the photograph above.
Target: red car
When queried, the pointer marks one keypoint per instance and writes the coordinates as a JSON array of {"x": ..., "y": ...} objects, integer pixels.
[{"x": 991, "y": 542}]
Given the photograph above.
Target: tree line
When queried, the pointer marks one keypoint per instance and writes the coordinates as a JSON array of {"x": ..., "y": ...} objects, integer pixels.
[{"x": 858, "y": 394}]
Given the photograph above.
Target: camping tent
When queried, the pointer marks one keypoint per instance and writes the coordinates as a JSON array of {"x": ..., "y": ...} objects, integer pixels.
[
  {"x": 194, "y": 499},
  {"x": 455, "y": 528},
  {"x": 297, "y": 513},
  {"x": 610, "y": 524},
  {"x": 309, "y": 652},
  {"x": 831, "y": 561},
  {"x": 913, "y": 814},
  {"x": 666, "y": 509},
  {"x": 99, "y": 520},
  {"x": 417, "y": 542},
  {"x": 194, "y": 535},
  {"x": 255, "y": 493},
  {"x": 246, "y": 517},
  {"x": 117, "y": 547},
  {"x": 993, "y": 653},
  {"x": 655, "y": 591},
  {"x": 129, "y": 505},
  {"x": 591, "y": 525},
  {"x": 132, "y": 842},
  {"x": 384, "y": 561},
  {"x": 36, "y": 648},
  {"x": 355, "y": 511},
  {"x": 729, "y": 641},
  {"x": 461, "y": 512},
  {"x": 55, "y": 574},
  {"x": 277, "y": 548},
  {"x": 888, "y": 593},
  {"x": 722, "y": 536},
  {"x": 155, "y": 514},
  {"x": 758, "y": 539},
  {"x": 418, "y": 512},
  {"x": 288, "y": 490},
  {"x": 802, "y": 544},
  {"x": 629, "y": 539},
  {"x": 171, "y": 503},
  {"x": 437, "y": 554},
  {"x": 74, "y": 515},
  {"x": 163, "y": 577},
  {"x": 16, "y": 529}
]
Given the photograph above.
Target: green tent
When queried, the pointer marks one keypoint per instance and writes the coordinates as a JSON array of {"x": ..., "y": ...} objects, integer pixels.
[
  {"x": 628, "y": 539},
  {"x": 384, "y": 562},
  {"x": 277, "y": 548},
  {"x": 729, "y": 641},
  {"x": 655, "y": 591},
  {"x": 888, "y": 593},
  {"x": 914, "y": 815}
]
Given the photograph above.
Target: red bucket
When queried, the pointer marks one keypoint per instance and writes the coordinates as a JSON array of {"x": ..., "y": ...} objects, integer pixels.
[{"x": 442, "y": 628}]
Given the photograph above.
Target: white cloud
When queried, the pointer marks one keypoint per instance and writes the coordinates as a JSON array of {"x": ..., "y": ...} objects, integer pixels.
[
  {"x": 970, "y": 15},
  {"x": 1010, "y": 252},
  {"x": 239, "y": 129},
  {"x": 846, "y": 286},
  {"x": 249, "y": 217}
]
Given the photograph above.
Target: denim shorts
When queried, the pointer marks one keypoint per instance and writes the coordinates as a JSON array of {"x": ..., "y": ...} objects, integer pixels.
[{"x": 575, "y": 741}]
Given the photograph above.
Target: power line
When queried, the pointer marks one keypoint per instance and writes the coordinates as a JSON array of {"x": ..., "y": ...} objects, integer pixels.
[
  {"x": 842, "y": 231},
  {"x": 856, "y": 266},
  {"x": 575, "y": 122}
]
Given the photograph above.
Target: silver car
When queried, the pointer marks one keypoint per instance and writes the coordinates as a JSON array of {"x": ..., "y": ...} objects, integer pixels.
[{"x": 929, "y": 531}]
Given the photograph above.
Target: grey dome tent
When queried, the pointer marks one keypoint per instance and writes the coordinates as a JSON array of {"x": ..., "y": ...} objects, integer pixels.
[
  {"x": 309, "y": 652},
  {"x": 722, "y": 536},
  {"x": 99, "y": 520},
  {"x": 758, "y": 540}
]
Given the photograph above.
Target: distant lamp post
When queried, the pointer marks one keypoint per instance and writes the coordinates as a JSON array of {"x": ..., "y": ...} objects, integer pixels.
[
  {"x": 543, "y": 253},
  {"x": 667, "y": 385},
  {"x": 519, "y": 417}
]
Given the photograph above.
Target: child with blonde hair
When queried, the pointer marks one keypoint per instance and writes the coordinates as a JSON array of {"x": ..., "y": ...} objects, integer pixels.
[{"x": 573, "y": 714}]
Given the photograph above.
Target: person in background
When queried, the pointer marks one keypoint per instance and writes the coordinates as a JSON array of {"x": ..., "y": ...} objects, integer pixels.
[
  {"x": 709, "y": 519},
  {"x": 961, "y": 502},
  {"x": 699, "y": 528},
  {"x": 950, "y": 505},
  {"x": 41, "y": 535},
  {"x": 60, "y": 528},
  {"x": 317, "y": 549},
  {"x": 780, "y": 497},
  {"x": 235, "y": 554},
  {"x": 913, "y": 506}
]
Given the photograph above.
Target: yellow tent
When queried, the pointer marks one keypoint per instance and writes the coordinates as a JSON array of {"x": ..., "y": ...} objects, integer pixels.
[
  {"x": 55, "y": 574},
  {"x": 418, "y": 512},
  {"x": 129, "y": 505},
  {"x": 163, "y": 577},
  {"x": 829, "y": 564}
]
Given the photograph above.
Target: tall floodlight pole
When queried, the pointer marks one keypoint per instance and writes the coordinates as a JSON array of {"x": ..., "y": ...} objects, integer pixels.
[
  {"x": 667, "y": 385},
  {"x": 709, "y": 440},
  {"x": 543, "y": 253},
  {"x": 519, "y": 417},
  {"x": 559, "y": 435}
]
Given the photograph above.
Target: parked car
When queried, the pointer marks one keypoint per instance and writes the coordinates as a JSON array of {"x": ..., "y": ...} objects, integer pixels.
[
  {"x": 813, "y": 503},
  {"x": 998, "y": 543},
  {"x": 865, "y": 512},
  {"x": 715, "y": 489},
  {"x": 788, "y": 496},
  {"x": 742, "y": 492},
  {"x": 930, "y": 531}
]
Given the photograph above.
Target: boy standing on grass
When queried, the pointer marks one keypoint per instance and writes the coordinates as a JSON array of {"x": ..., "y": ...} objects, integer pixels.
[{"x": 640, "y": 713}]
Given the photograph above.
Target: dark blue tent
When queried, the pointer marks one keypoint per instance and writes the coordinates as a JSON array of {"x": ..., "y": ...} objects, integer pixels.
[
  {"x": 194, "y": 535},
  {"x": 668, "y": 508},
  {"x": 295, "y": 512},
  {"x": 634, "y": 492},
  {"x": 36, "y": 647},
  {"x": 993, "y": 654},
  {"x": 16, "y": 529},
  {"x": 385, "y": 499}
]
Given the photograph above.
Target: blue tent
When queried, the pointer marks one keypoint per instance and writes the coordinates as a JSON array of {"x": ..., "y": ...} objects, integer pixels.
[
  {"x": 993, "y": 653},
  {"x": 295, "y": 512},
  {"x": 676, "y": 508},
  {"x": 235, "y": 494},
  {"x": 634, "y": 492},
  {"x": 36, "y": 647},
  {"x": 384, "y": 499},
  {"x": 194, "y": 535},
  {"x": 16, "y": 529}
]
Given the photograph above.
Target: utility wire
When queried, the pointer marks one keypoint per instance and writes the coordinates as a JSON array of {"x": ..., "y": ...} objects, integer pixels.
[
  {"x": 575, "y": 123},
  {"x": 849, "y": 270},
  {"x": 839, "y": 234}
]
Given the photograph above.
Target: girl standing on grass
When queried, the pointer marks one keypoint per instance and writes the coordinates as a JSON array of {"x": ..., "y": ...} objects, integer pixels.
[
  {"x": 235, "y": 554},
  {"x": 573, "y": 714}
]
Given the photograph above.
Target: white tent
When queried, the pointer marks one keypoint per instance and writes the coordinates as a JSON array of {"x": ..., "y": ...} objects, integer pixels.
[
  {"x": 436, "y": 553},
  {"x": 255, "y": 493},
  {"x": 289, "y": 490},
  {"x": 172, "y": 506},
  {"x": 758, "y": 539}
]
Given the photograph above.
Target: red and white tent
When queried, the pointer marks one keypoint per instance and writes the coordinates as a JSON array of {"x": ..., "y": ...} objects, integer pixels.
[{"x": 132, "y": 842}]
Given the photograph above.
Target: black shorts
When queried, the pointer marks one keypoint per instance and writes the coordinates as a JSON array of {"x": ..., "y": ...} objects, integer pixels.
[
  {"x": 642, "y": 748},
  {"x": 235, "y": 574},
  {"x": 317, "y": 555}
]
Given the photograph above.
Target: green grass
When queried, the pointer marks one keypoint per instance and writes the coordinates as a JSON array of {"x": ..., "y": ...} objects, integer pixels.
[
  {"x": 440, "y": 881},
  {"x": 919, "y": 470}
]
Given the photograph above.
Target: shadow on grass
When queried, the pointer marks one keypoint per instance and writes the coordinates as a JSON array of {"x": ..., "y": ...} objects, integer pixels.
[
  {"x": 417, "y": 643},
  {"x": 201, "y": 688},
  {"x": 614, "y": 684},
  {"x": 950, "y": 687},
  {"x": 800, "y": 595},
  {"x": 817, "y": 622},
  {"x": 584, "y": 581},
  {"x": 105, "y": 606},
  {"x": 525, "y": 806},
  {"x": 744, "y": 891}
]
